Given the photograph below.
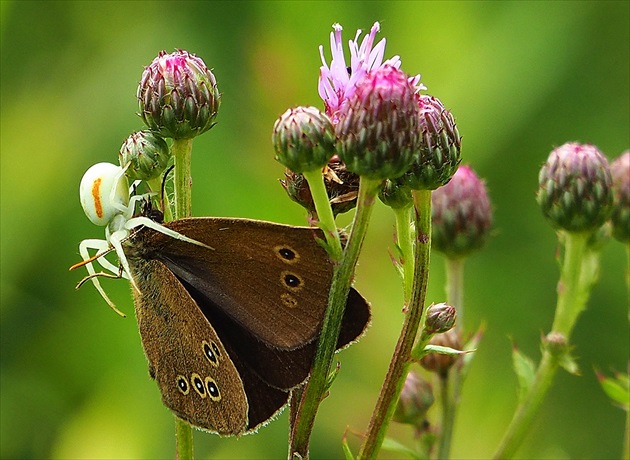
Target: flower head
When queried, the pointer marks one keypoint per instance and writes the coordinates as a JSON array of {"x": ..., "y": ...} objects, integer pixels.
[
  {"x": 146, "y": 153},
  {"x": 378, "y": 129},
  {"x": 462, "y": 215},
  {"x": 304, "y": 139},
  {"x": 338, "y": 80},
  {"x": 178, "y": 95},
  {"x": 575, "y": 188}
]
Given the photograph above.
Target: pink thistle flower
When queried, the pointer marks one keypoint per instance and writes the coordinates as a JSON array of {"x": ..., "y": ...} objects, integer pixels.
[{"x": 338, "y": 81}]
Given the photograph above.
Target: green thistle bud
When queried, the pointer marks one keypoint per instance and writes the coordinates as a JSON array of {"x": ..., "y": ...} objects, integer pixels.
[
  {"x": 178, "y": 96},
  {"x": 575, "y": 188},
  {"x": 440, "y": 147},
  {"x": 147, "y": 153},
  {"x": 620, "y": 171},
  {"x": 440, "y": 318},
  {"x": 395, "y": 195},
  {"x": 342, "y": 187},
  {"x": 304, "y": 139},
  {"x": 416, "y": 397},
  {"x": 461, "y": 214},
  {"x": 378, "y": 127},
  {"x": 556, "y": 344},
  {"x": 439, "y": 363}
]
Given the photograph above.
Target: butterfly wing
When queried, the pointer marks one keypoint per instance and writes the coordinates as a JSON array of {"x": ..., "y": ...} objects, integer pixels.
[
  {"x": 270, "y": 279},
  {"x": 198, "y": 375}
]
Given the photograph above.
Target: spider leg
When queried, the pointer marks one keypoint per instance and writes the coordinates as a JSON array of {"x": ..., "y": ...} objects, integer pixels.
[
  {"x": 138, "y": 221},
  {"x": 99, "y": 245}
]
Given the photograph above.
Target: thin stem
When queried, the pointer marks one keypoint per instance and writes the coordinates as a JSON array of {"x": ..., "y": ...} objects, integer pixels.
[
  {"x": 450, "y": 384},
  {"x": 342, "y": 279},
  {"x": 184, "y": 438},
  {"x": 401, "y": 359},
  {"x": 404, "y": 241},
  {"x": 325, "y": 215},
  {"x": 573, "y": 291},
  {"x": 182, "y": 150}
]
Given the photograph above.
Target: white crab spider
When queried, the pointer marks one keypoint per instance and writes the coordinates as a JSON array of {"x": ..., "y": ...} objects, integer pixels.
[{"x": 105, "y": 198}]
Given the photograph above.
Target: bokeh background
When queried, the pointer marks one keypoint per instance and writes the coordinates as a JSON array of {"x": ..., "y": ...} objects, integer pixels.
[{"x": 520, "y": 78}]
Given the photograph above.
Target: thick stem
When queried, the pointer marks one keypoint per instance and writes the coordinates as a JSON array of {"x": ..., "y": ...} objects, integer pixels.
[
  {"x": 182, "y": 149},
  {"x": 342, "y": 279},
  {"x": 401, "y": 359}
]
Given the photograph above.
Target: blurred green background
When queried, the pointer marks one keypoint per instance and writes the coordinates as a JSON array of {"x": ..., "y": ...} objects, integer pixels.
[{"x": 520, "y": 78}]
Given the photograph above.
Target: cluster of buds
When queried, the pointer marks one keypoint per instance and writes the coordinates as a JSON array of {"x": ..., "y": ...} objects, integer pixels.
[{"x": 382, "y": 128}]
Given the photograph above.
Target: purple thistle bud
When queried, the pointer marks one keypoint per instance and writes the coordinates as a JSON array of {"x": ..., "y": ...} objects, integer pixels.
[
  {"x": 462, "y": 215},
  {"x": 620, "y": 171},
  {"x": 440, "y": 318},
  {"x": 575, "y": 188},
  {"x": 342, "y": 187},
  {"x": 304, "y": 139},
  {"x": 178, "y": 96},
  {"x": 440, "y": 147},
  {"x": 378, "y": 130},
  {"x": 416, "y": 397},
  {"x": 146, "y": 153}
]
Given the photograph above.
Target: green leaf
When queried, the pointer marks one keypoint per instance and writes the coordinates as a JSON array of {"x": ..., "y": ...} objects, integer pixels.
[
  {"x": 392, "y": 445},
  {"x": 617, "y": 389},
  {"x": 568, "y": 364},
  {"x": 525, "y": 370}
]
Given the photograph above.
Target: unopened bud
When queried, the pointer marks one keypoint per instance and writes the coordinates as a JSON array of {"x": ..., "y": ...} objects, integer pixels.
[
  {"x": 441, "y": 363},
  {"x": 440, "y": 318},
  {"x": 416, "y": 397},
  {"x": 146, "y": 153},
  {"x": 620, "y": 171}
]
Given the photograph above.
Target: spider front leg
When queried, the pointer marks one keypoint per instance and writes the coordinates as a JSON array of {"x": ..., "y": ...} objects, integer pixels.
[{"x": 101, "y": 246}]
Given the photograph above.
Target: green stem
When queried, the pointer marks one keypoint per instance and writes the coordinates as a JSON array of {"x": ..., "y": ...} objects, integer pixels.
[
  {"x": 573, "y": 290},
  {"x": 182, "y": 150},
  {"x": 450, "y": 384},
  {"x": 404, "y": 240},
  {"x": 184, "y": 439},
  {"x": 342, "y": 279},
  {"x": 325, "y": 215},
  {"x": 401, "y": 359}
]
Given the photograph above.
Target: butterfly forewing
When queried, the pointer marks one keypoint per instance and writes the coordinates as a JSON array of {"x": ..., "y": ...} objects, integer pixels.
[{"x": 272, "y": 279}]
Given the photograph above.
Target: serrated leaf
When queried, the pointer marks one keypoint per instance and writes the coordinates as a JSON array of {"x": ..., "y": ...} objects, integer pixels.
[
  {"x": 392, "y": 445},
  {"x": 525, "y": 371}
]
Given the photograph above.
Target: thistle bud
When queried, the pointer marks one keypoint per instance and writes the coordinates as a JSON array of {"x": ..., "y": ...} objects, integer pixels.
[
  {"x": 440, "y": 147},
  {"x": 440, "y": 318},
  {"x": 377, "y": 131},
  {"x": 416, "y": 397},
  {"x": 178, "y": 96},
  {"x": 462, "y": 215},
  {"x": 304, "y": 139},
  {"x": 620, "y": 171},
  {"x": 575, "y": 188},
  {"x": 556, "y": 344},
  {"x": 146, "y": 153},
  {"x": 441, "y": 363},
  {"x": 342, "y": 187}
]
